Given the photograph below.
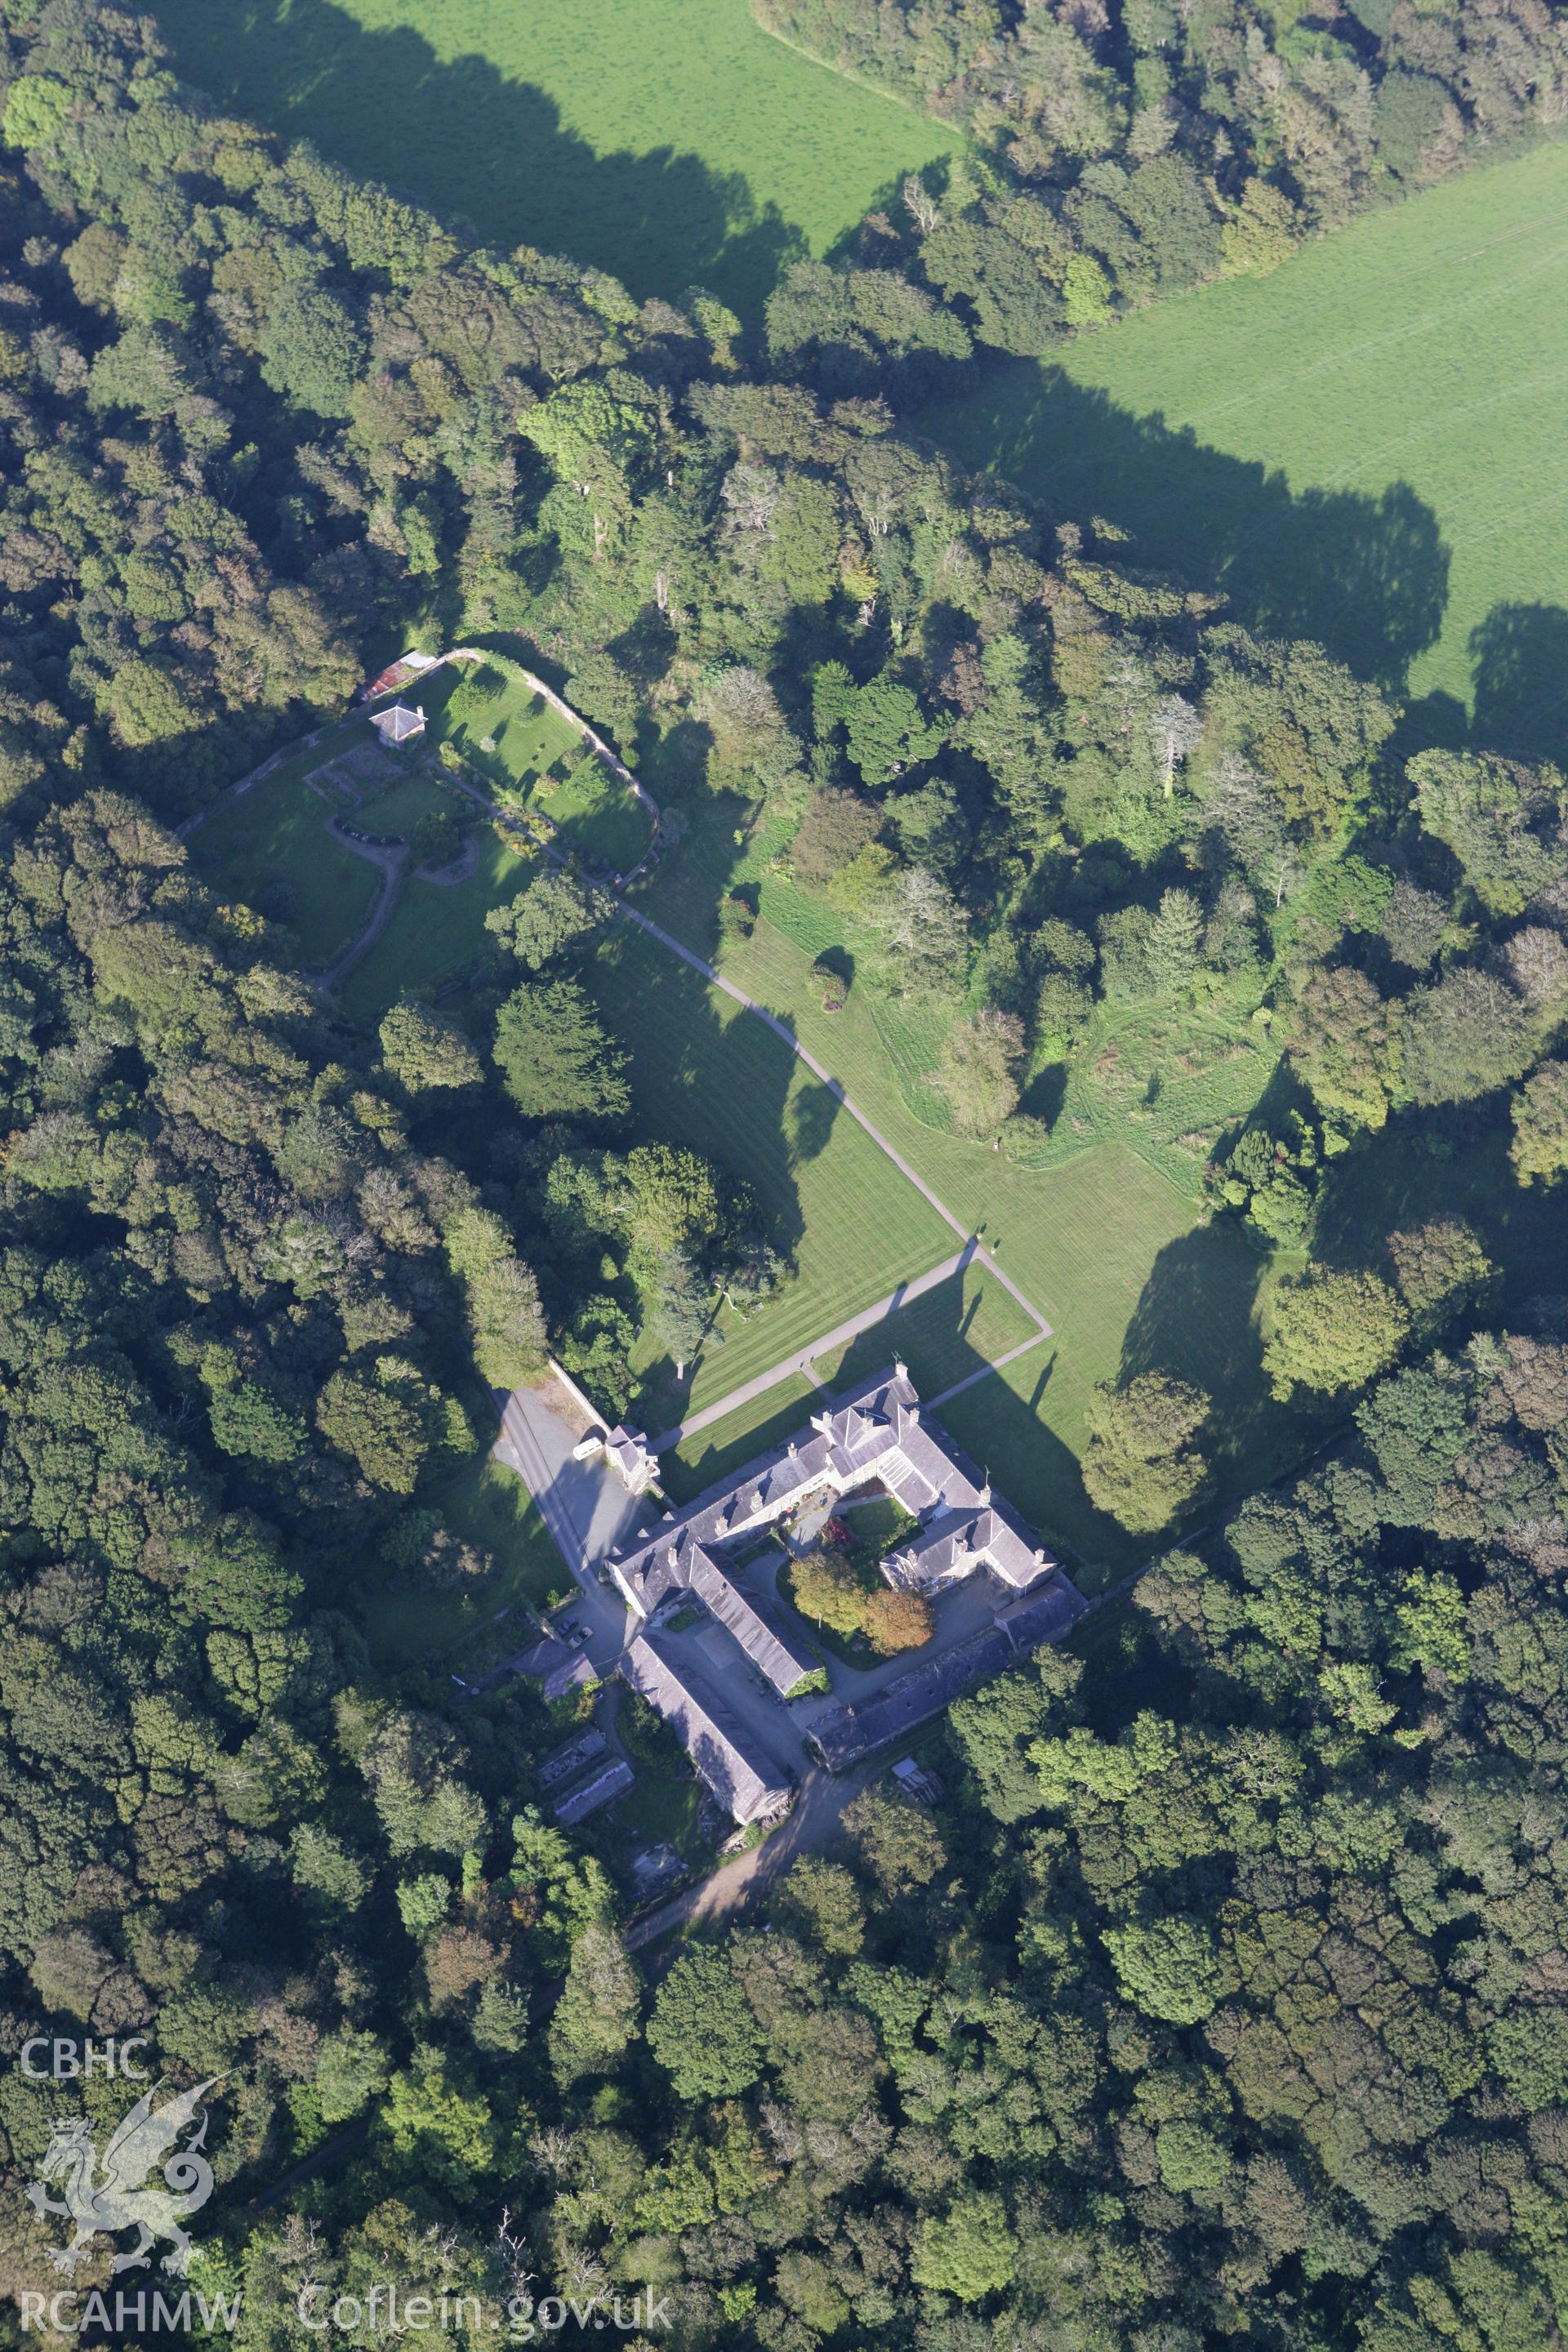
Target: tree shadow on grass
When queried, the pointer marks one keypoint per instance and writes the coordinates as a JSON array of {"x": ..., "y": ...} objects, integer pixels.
[
  {"x": 1197, "y": 1319},
  {"x": 719, "y": 1085},
  {"x": 813, "y": 1114},
  {"x": 1367, "y": 577},
  {"x": 1520, "y": 663},
  {"x": 1449, "y": 1166},
  {"x": 465, "y": 141},
  {"x": 1044, "y": 1095}
]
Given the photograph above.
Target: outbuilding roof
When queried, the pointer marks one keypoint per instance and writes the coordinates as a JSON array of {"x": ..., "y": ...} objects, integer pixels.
[
  {"x": 846, "y": 1733},
  {"x": 611, "y": 1781},
  {"x": 746, "y": 1781},
  {"x": 399, "y": 724}
]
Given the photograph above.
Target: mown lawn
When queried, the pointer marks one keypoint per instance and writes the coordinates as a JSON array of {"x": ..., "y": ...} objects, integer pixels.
[
  {"x": 508, "y": 734},
  {"x": 1107, "y": 1246},
  {"x": 436, "y": 930},
  {"x": 596, "y": 818},
  {"x": 1362, "y": 447},
  {"x": 728, "y": 1445},
  {"x": 669, "y": 142},
  {"x": 269, "y": 846},
  {"x": 945, "y": 1335},
  {"x": 706, "y": 1074},
  {"x": 517, "y": 745},
  {"x": 1168, "y": 1079}
]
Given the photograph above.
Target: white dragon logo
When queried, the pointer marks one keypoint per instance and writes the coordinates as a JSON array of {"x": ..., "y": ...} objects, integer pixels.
[{"x": 118, "y": 2200}]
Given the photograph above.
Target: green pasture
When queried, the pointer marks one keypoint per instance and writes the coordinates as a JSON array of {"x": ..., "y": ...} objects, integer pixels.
[
  {"x": 1362, "y": 447},
  {"x": 436, "y": 930},
  {"x": 273, "y": 838},
  {"x": 707, "y": 1075},
  {"x": 669, "y": 142}
]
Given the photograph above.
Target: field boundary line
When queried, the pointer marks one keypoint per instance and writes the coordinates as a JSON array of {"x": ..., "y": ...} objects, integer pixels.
[
  {"x": 997, "y": 1364},
  {"x": 852, "y": 1328},
  {"x": 781, "y": 1029}
]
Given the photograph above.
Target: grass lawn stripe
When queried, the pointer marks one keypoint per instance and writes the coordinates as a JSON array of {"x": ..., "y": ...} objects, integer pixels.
[
  {"x": 1103, "y": 1244},
  {"x": 728, "y": 1445},
  {"x": 711, "y": 1076},
  {"x": 959, "y": 1328},
  {"x": 436, "y": 931}
]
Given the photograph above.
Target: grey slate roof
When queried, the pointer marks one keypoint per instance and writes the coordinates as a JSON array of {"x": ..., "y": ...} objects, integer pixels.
[
  {"x": 956, "y": 1541},
  {"x": 607, "y": 1785},
  {"x": 562, "y": 1762},
  {"x": 1043, "y": 1616},
  {"x": 753, "y": 1624},
  {"x": 876, "y": 1434},
  {"x": 629, "y": 1455},
  {"x": 847, "y": 1733},
  {"x": 879, "y": 1433},
  {"x": 747, "y": 1783},
  {"x": 399, "y": 724}
]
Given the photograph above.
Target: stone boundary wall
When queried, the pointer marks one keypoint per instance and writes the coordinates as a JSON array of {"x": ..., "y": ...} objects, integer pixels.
[{"x": 595, "y": 741}]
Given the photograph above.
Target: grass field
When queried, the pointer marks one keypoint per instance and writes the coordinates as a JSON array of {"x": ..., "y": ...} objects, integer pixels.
[
  {"x": 1362, "y": 447},
  {"x": 269, "y": 846},
  {"x": 416, "y": 795},
  {"x": 506, "y": 732},
  {"x": 965, "y": 1323},
  {"x": 1168, "y": 1079},
  {"x": 707, "y": 1075},
  {"x": 1106, "y": 1245},
  {"x": 596, "y": 818},
  {"x": 515, "y": 742},
  {"x": 669, "y": 142},
  {"x": 435, "y": 932},
  {"x": 728, "y": 1444}
]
